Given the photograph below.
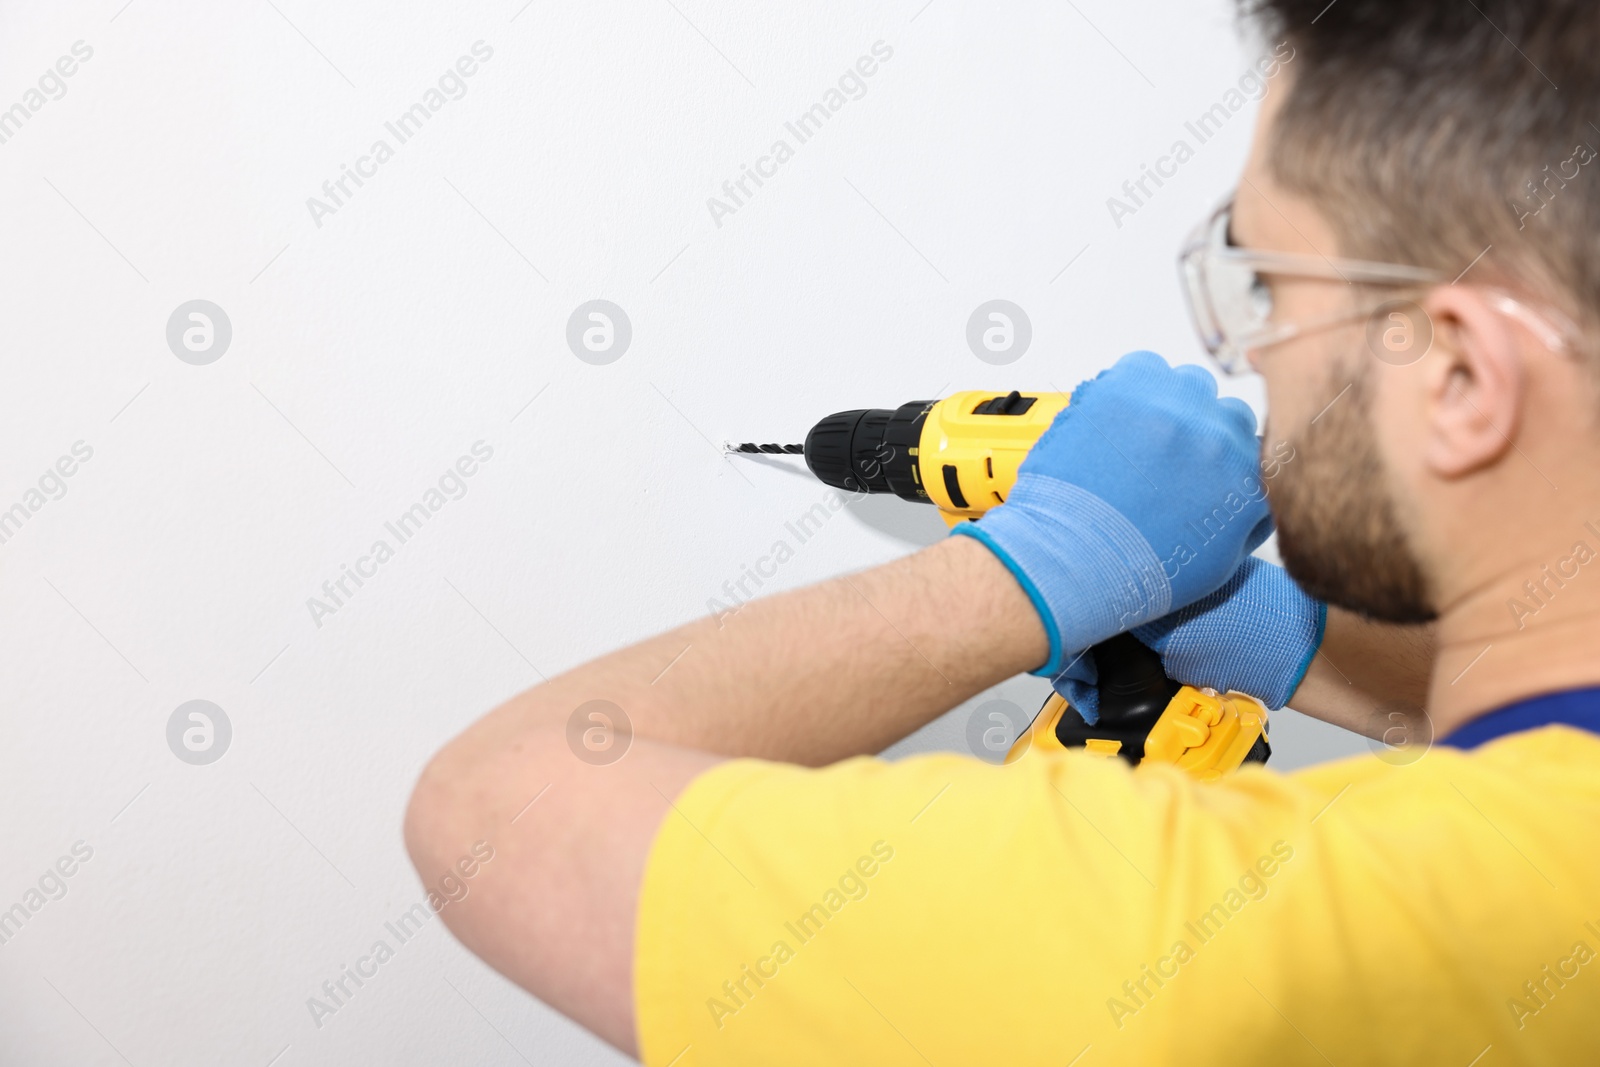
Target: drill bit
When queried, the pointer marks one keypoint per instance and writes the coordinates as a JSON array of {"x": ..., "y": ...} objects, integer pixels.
[{"x": 751, "y": 448}]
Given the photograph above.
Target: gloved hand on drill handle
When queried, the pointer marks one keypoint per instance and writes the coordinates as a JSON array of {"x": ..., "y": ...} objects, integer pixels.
[
  {"x": 1141, "y": 498},
  {"x": 1257, "y": 634}
]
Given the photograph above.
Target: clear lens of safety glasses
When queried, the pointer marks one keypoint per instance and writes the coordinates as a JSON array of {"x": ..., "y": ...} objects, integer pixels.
[{"x": 1229, "y": 300}]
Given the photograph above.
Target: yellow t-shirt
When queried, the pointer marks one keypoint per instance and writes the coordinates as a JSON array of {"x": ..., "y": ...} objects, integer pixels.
[{"x": 1066, "y": 910}]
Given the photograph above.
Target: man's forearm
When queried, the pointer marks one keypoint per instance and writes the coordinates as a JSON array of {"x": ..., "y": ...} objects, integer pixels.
[
  {"x": 1366, "y": 673},
  {"x": 841, "y": 668}
]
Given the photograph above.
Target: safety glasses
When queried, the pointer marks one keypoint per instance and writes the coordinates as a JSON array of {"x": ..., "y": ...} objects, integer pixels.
[{"x": 1231, "y": 300}]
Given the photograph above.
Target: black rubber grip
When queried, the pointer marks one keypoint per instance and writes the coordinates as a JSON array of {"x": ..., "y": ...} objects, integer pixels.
[{"x": 952, "y": 485}]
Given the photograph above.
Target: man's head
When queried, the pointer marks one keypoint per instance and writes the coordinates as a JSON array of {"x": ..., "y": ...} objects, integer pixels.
[{"x": 1429, "y": 134}]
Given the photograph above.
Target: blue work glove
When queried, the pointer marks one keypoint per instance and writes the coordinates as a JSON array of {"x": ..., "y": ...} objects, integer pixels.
[
  {"x": 1256, "y": 634},
  {"x": 1142, "y": 497}
]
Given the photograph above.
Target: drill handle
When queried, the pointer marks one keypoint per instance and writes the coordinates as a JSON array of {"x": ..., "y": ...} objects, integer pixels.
[
  {"x": 1142, "y": 713},
  {"x": 1134, "y": 692}
]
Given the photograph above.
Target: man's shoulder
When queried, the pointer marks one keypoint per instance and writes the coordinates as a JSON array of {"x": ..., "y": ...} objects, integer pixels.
[
  {"x": 1555, "y": 754},
  {"x": 1507, "y": 813}
]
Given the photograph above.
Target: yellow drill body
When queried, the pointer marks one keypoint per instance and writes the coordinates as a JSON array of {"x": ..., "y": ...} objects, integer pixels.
[{"x": 968, "y": 462}]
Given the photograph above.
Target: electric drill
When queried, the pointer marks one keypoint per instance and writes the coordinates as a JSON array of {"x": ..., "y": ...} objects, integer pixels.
[{"x": 961, "y": 454}]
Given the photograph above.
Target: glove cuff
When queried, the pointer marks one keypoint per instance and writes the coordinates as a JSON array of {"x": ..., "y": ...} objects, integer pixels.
[
  {"x": 1062, "y": 546},
  {"x": 1051, "y": 663},
  {"x": 1319, "y": 632}
]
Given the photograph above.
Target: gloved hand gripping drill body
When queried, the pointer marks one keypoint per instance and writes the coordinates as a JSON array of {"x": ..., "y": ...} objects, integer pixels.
[{"x": 1136, "y": 510}]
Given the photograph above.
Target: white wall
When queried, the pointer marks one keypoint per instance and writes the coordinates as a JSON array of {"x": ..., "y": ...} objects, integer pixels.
[{"x": 426, "y": 314}]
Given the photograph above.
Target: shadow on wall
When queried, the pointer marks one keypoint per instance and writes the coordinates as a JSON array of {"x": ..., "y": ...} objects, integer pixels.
[{"x": 915, "y": 524}]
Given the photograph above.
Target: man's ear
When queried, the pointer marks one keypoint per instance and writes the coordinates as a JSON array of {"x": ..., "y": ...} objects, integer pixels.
[{"x": 1473, "y": 382}]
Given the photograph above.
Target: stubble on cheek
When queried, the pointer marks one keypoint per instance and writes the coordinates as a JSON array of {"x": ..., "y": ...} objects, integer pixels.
[{"x": 1339, "y": 531}]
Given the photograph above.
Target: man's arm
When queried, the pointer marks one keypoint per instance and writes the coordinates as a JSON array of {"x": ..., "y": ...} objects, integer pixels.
[
  {"x": 1367, "y": 672},
  {"x": 839, "y": 669},
  {"x": 813, "y": 676}
]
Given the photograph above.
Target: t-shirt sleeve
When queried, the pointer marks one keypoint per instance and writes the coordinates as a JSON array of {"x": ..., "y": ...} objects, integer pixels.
[{"x": 940, "y": 910}]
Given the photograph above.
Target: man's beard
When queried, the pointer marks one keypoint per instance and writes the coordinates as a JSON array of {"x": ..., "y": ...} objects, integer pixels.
[{"x": 1339, "y": 533}]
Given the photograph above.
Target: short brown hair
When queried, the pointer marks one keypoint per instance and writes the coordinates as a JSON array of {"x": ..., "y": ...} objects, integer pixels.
[{"x": 1429, "y": 130}]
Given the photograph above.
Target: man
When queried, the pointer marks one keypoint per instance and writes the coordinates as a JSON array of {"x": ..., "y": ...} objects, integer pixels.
[{"x": 1410, "y": 263}]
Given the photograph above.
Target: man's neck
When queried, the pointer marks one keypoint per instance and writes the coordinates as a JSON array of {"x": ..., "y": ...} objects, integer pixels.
[{"x": 1530, "y": 628}]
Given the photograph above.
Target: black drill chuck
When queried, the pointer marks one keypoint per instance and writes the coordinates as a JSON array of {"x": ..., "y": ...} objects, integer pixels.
[{"x": 870, "y": 450}]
